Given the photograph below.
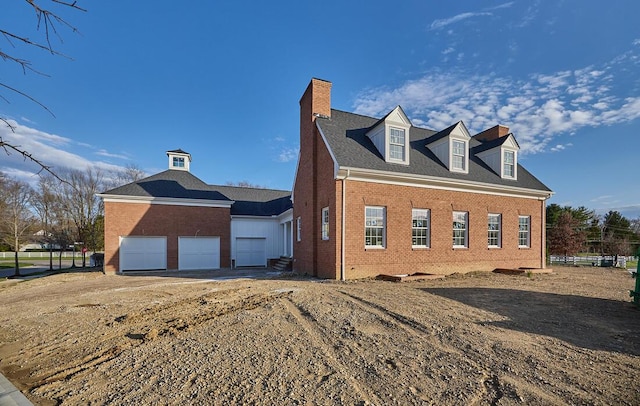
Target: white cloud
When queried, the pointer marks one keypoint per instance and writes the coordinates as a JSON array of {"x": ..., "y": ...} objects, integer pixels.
[
  {"x": 560, "y": 147},
  {"x": 448, "y": 51},
  {"x": 537, "y": 108},
  {"x": 438, "y": 24},
  {"x": 107, "y": 154},
  {"x": 503, "y": 5},
  {"x": 50, "y": 149},
  {"x": 287, "y": 155}
]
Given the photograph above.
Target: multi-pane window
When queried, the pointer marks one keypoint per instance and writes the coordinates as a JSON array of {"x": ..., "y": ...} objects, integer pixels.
[
  {"x": 325, "y": 223},
  {"x": 298, "y": 229},
  {"x": 460, "y": 229},
  {"x": 524, "y": 231},
  {"x": 509, "y": 168},
  {"x": 178, "y": 162},
  {"x": 493, "y": 230},
  {"x": 458, "y": 154},
  {"x": 374, "y": 225},
  {"x": 396, "y": 143},
  {"x": 420, "y": 228}
]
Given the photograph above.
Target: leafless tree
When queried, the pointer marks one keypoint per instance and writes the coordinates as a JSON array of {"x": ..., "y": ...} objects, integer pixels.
[
  {"x": 245, "y": 183},
  {"x": 16, "y": 219},
  {"x": 83, "y": 207},
  {"x": 49, "y": 25},
  {"x": 46, "y": 203},
  {"x": 128, "y": 174}
]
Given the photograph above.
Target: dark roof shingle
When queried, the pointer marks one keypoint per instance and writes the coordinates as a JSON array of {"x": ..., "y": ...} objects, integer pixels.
[
  {"x": 346, "y": 135},
  {"x": 179, "y": 184}
]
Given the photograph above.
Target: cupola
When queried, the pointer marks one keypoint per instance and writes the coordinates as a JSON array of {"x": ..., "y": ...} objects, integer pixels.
[{"x": 179, "y": 160}]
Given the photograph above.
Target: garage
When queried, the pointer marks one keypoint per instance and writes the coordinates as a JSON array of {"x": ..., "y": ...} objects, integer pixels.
[
  {"x": 197, "y": 253},
  {"x": 251, "y": 252},
  {"x": 143, "y": 253}
]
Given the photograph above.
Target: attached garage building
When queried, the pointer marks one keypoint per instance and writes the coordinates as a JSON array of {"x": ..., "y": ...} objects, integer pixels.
[{"x": 175, "y": 221}]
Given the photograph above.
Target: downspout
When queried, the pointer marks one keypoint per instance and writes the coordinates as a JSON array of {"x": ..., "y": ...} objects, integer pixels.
[
  {"x": 543, "y": 235},
  {"x": 343, "y": 228}
]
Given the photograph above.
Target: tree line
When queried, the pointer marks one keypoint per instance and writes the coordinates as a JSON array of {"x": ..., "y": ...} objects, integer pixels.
[
  {"x": 572, "y": 230},
  {"x": 58, "y": 210}
]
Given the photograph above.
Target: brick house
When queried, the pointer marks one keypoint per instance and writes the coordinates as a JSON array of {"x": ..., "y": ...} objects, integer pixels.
[
  {"x": 374, "y": 196},
  {"x": 174, "y": 221}
]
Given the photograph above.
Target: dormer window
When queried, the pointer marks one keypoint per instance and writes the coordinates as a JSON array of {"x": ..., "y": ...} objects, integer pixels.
[
  {"x": 391, "y": 135},
  {"x": 499, "y": 150},
  {"x": 509, "y": 164},
  {"x": 397, "y": 144},
  {"x": 458, "y": 155},
  {"x": 451, "y": 147}
]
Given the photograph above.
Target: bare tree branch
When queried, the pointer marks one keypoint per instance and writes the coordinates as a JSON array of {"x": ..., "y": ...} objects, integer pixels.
[
  {"x": 48, "y": 20},
  {"x": 27, "y": 156},
  {"x": 28, "y": 97}
]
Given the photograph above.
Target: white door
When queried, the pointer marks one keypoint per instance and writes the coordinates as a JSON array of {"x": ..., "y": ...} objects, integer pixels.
[
  {"x": 196, "y": 253},
  {"x": 143, "y": 253},
  {"x": 251, "y": 252}
]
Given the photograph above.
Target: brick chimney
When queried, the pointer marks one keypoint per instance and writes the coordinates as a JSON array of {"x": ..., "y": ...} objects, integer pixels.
[
  {"x": 315, "y": 103},
  {"x": 492, "y": 133},
  {"x": 316, "y": 100}
]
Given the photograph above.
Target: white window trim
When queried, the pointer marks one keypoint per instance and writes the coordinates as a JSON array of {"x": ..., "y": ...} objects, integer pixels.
[
  {"x": 298, "y": 229},
  {"x": 503, "y": 163},
  {"x": 499, "y": 230},
  {"x": 528, "y": 231},
  {"x": 465, "y": 156},
  {"x": 427, "y": 227},
  {"x": 325, "y": 223},
  {"x": 384, "y": 228},
  {"x": 466, "y": 228},
  {"x": 404, "y": 146}
]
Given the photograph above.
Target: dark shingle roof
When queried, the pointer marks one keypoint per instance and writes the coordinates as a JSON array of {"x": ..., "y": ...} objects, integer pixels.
[
  {"x": 179, "y": 184},
  {"x": 256, "y": 201},
  {"x": 346, "y": 134},
  {"x": 172, "y": 184}
]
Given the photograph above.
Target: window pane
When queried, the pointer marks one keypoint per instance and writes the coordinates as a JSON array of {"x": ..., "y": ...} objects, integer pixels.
[
  {"x": 374, "y": 226},
  {"x": 396, "y": 143},
  {"x": 458, "y": 153},
  {"x": 523, "y": 231},
  {"x": 325, "y": 223},
  {"x": 460, "y": 228},
  {"x": 493, "y": 230},
  {"x": 420, "y": 228},
  {"x": 396, "y": 151}
]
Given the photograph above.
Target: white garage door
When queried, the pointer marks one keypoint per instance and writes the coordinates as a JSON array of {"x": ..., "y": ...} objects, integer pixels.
[
  {"x": 251, "y": 252},
  {"x": 198, "y": 253},
  {"x": 143, "y": 253}
]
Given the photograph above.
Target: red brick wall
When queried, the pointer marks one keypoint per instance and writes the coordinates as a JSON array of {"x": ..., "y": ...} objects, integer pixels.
[
  {"x": 137, "y": 219},
  {"x": 398, "y": 257}
]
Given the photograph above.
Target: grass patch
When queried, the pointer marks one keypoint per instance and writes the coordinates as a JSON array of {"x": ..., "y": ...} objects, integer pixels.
[{"x": 11, "y": 265}]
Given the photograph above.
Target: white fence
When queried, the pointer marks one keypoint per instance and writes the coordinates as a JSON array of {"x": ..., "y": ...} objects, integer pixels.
[
  {"x": 593, "y": 260},
  {"x": 45, "y": 255}
]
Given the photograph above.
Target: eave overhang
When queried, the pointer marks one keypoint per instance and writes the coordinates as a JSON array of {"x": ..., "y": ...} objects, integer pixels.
[
  {"x": 432, "y": 182},
  {"x": 171, "y": 201}
]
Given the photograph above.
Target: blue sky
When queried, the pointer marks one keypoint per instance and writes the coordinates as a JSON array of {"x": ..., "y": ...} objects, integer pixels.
[{"x": 222, "y": 80}]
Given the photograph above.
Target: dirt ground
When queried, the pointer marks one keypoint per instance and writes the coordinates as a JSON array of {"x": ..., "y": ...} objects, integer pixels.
[{"x": 571, "y": 337}]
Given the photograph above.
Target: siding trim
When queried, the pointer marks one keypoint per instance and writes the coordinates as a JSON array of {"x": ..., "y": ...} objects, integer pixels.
[{"x": 166, "y": 201}]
